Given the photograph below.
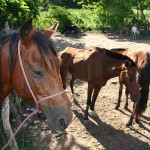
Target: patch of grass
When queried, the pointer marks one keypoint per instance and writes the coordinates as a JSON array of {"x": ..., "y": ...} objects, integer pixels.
[{"x": 24, "y": 138}]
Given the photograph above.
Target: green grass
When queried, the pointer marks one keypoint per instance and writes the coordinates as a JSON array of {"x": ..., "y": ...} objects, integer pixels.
[{"x": 24, "y": 139}]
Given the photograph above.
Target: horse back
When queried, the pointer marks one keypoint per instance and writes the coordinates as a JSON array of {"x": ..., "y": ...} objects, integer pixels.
[{"x": 76, "y": 61}]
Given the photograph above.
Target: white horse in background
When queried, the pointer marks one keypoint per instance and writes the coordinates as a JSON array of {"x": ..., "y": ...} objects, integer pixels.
[{"x": 135, "y": 32}]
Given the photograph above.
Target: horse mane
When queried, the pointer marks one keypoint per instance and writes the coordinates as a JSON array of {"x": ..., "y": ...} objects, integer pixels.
[
  {"x": 144, "y": 83},
  {"x": 118, "y": 49},
  {"x": 43, "y": 43},
  {"x": 114, "y": 54}
]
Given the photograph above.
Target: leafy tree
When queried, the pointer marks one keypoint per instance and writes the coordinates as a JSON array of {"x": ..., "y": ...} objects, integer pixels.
[
  {"x": 17, "y": 11},
  {"x": 110, "y": 13}
]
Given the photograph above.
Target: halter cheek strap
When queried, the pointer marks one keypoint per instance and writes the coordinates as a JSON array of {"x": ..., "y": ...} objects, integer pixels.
[{"x": 35, "y": 99}]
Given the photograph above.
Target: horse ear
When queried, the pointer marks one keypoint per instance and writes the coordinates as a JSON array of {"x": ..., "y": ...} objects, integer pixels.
[
  {"x": 54, "y": 26},
  {"x": 26, "y": 32},
  {"x": 48, "y": 32}
]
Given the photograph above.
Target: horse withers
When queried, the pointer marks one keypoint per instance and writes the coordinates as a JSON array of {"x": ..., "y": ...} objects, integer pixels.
[
  {"x": 142, "y": 59},
  {"x": 96, "y": 67},
  {"x": 41, "y": 67}
]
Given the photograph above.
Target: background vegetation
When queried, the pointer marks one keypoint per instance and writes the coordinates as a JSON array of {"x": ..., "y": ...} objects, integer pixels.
[{"x": 85, "y": 14}]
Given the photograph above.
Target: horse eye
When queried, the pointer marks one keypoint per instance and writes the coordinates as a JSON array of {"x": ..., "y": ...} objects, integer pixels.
[{"x": 37, "y": 74}]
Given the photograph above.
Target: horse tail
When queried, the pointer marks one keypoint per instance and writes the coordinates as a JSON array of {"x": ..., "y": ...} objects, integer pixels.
[{"x": 144, "y": 83}]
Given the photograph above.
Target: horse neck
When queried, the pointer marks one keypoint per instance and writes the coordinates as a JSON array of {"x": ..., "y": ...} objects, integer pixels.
[
  {"x": 114, "y": 67},
  {"x": 5, "y": 72}
]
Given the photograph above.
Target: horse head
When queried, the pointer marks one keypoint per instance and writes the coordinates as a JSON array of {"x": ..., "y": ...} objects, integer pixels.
[
  {"x": 41, "y": 67},
  {"x": 129, "y": 77}
]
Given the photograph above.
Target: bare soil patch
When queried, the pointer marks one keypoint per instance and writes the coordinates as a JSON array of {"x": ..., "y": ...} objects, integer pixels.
[{"x": 108, "y": 130}]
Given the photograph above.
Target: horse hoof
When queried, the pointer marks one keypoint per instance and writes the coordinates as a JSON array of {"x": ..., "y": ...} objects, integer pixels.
[
  {"x": 137, "y": 121},
  {"x": 116, "y": 107},
  {"x": 93, "y": 113},
  {"x": 128, "y": 124},
  {"x": 86, "y": 121},
  {"x": 126, "y": 107}
]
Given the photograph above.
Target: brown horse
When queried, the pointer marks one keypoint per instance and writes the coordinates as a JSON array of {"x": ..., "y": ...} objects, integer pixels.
[
  {"x": 41, "y": 67},
  {"x": 142, "y": 59},
  {"x": 124, "y": 30},
  {"x": 97, "y": 66}
]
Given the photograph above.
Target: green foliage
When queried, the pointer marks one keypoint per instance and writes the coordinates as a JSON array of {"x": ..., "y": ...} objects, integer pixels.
[
  {"x": 24, "y": 138},
  {"x": 16, "y": 11},
  {"x": 94, "y": 15},
  {"x": 84, "y": 19},
  {"x": 54, "y": 14}
]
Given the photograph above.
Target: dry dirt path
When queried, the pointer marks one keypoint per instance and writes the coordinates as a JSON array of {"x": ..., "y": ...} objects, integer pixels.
[{"x": 108, "y": 130}]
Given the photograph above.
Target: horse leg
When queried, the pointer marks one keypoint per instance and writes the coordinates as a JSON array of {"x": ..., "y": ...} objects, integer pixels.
[
  {"x": 94, "y": 97},
  {"x": 130, "y": 121},
  {"x": 134, "y": 113},
  {"x": 63, "y": 74},
  {"x": 6, "y": 123},
  {"x": 119, "y": 97},
  {"x": 72, "y": 83},
  {"x": 71, "y": 86},
  {"x": 137, "y": 118},
  {"x": 126, "y": 104},
  {"x": 89, "y": 94}
]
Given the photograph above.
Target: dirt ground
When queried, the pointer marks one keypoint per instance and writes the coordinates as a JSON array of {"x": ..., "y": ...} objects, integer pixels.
[{"x": 108, "y": 130}]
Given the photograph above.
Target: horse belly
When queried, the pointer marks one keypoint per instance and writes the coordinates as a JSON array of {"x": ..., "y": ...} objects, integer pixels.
[{"x": 79, "y": 70}]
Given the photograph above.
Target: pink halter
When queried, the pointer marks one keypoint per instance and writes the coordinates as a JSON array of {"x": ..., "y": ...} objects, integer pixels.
[{"x": 35, "y": 99}]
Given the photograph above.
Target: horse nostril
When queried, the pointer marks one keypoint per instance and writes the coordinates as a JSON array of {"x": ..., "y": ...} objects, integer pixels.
[{"x": 63, "y": 123}]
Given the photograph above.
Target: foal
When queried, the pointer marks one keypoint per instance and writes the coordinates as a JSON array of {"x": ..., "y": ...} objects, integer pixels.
[{"x": 142, "y": 59}]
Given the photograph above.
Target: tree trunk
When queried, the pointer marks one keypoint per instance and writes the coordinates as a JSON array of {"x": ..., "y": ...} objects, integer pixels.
[{"x": 6, "y": 123}]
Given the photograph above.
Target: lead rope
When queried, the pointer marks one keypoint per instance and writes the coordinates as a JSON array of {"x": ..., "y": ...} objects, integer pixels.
[{"x": 36, "y": 102}]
